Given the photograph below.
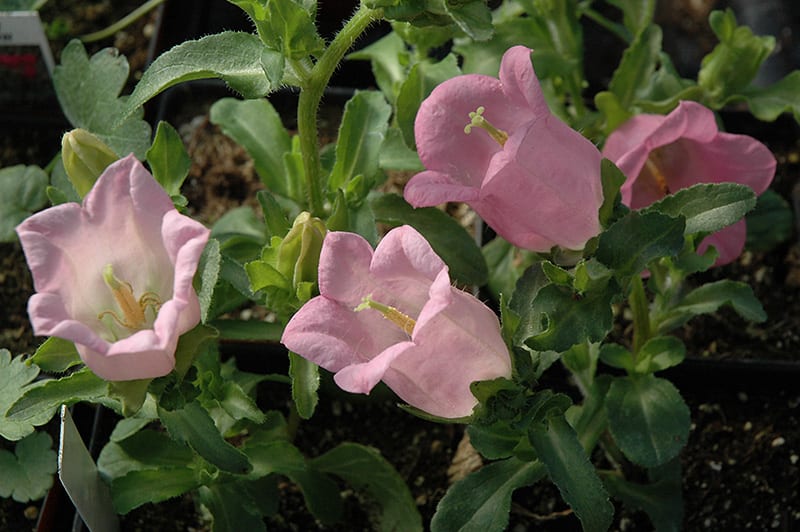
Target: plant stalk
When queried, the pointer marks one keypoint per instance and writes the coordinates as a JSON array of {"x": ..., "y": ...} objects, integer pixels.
[
  {"x": 123, "y": 22},
  {"x": 311, "y": 94}
]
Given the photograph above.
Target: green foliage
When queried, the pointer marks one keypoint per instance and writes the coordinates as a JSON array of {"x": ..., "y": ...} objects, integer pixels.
[
  {"x": 285, "y": 26},
  {"x": 231, "y": 56},
  {"x": 387, "y": 56},
  {"x": 55, "y": 355},
  {"x": 707, "y": 207},
  {"x": 770, "y": 224},
  {"x": 361, "y": 135},
  {"x": 168, "y": 160},
  {"x": 17, "y": 380},
  {"x": 193, "y": 426},
  {"x": 557, "y": 446},
  {"x": 734, "y": 62},
  {"x": 27, "y": 474},
  {"x": 660, "y": 498},
  {"x": 88, "y": 91},
  {"x": 305, "y": 383},
  {"x": 482, "y": 500},
  {"x": 39, "y": 402},
  {"x": 366, "y": 470},
  {"x": 232, "y": 508},
  {"x": 648, "y": 419},
  {"x": 22, "y": 192},
  {"x": 781, "y": 97},
  {"x": 636, "y": 239},
  {"x": 710, "y": 297},
  {"x": 258, "y": 128}
]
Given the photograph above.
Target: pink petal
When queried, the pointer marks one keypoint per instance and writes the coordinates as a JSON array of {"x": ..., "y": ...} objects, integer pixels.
[
  {"x": 362, "y": 378},
  {"x": 728, "y": 241},
  {"x": 344, "y": 268},
  {"x": 520, "y": 84},
  {"x": 430, "y": 188},
  {"x": 544, "y": 188}
]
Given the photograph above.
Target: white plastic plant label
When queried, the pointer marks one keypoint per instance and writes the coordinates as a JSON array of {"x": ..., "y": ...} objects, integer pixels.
[{"x": 26, "y": 61}]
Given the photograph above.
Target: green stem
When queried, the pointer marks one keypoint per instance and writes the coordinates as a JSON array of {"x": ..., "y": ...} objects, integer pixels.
[
  {"x": 642, "y": 330},
  {"x": 612, "y": 27},
  {"x": 311, "y": 94},
  {"x": 123, "y": 22}
]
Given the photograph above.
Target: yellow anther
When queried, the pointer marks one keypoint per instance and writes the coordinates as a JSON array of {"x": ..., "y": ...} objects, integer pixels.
[
  {"x": 477, "y": 120},
  {"x": 133, "y": 310},
  {"x": 404, "y": 321}
]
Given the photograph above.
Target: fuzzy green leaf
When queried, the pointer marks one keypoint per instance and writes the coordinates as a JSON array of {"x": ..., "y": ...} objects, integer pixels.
[
  {"x": 27, "y": 474},
  {"x": 88, "y": 91},
  {"x": 39, "y": 402},
  {"x": 56, "y": 355},
  {"x": 361, "y": 135},
  {"x": 168, "y": 159},
  {"x": 231, "y": 56},
  {"x": 636, "y": 239},
  {"x": 193, "y": 425},
  {"x": 257, "y": 126},
  {"x": 365, "y": 469},
  {"x": 707, "y": 207},
  {"x": 710, "y": 297},
  {"x": 305, "y": 382},
  {"x": 648, "y": 419},
  {"x": 22, "y": 192},
  {"x": 482, "y": 500},
  {"x": 151, "y": 485},
  {"x": 558, "y": 448}
]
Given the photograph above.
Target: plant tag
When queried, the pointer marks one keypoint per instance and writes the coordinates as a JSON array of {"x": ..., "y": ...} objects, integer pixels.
[
  {"x": 78, "y": 474},
  {"x": 26, "y": 61}
]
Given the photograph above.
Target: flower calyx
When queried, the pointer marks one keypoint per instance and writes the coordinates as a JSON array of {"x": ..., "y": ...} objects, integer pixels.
[{"x": 477, "y": 120}]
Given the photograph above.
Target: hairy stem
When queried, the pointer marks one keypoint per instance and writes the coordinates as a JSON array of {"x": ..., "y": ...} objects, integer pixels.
[{"x": 311, "y": 94}]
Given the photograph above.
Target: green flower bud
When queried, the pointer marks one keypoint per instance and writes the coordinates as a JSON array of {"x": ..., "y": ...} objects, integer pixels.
[
  {"x": 298, "y": 253},
  {"x": 85, "y": 157}
]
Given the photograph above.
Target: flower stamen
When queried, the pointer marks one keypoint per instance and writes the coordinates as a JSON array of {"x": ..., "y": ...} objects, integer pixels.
[
  {"x": 133, "y": 310},
  {"x": 656, "y": 174},
  {"x": 477, "y": 120},
  {"x": 404, "y": 321}
]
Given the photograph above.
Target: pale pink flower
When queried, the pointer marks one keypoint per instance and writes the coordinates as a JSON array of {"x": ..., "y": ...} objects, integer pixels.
[
  {"x": 662, "y": 154},
  {"x": 531, "y": 177},
  {"x": 114, "y": 275},
  {"x": 392, "y": 315}
]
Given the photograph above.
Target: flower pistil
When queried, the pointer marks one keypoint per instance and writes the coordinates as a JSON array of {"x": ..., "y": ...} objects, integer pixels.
[
  {"x": 133, "y": 310},
  {"x": 477, "y": 120},
  {"x": 404, "y": 321}
]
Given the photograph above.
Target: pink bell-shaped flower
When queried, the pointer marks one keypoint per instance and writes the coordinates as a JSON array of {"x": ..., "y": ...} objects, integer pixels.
[
  {"x": 662, "y": 154},
  {"x": 393, "y": 315},
  {"x": 114, "y": 275},
  {"x": 532, "y": 178}
]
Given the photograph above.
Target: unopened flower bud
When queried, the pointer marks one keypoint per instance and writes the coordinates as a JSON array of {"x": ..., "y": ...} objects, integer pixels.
[
  {"x": 85, "y": 158},
  {"x": 298, "y": 254}
]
